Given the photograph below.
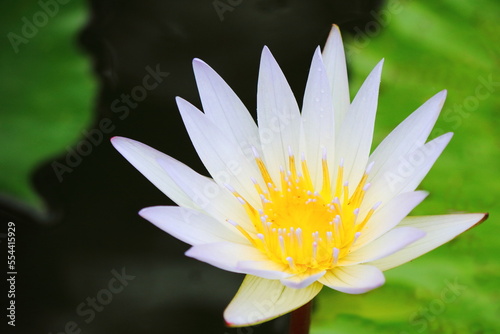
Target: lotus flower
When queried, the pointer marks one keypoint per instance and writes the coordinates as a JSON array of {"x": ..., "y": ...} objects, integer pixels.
[{"x": 298, "y": 202}]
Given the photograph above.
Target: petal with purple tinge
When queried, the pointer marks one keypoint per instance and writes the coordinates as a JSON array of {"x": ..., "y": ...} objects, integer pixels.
[
  {"x": 143, "y": 158},
  {"x": 209, "y": 196},
  {"x": 191, "y": 226},
  {"x": 225, "y": 255},
  {"x": 222, "y": 156}
]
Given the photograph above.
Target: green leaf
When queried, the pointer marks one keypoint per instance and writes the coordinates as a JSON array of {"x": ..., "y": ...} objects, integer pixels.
[{"x": 46, "y": 90}]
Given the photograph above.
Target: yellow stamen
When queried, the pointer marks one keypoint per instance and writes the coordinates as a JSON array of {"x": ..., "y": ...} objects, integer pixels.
[
  {"x": 326, "y": 190},
  {"x": 263, "y": 170},
  {"x": 305, "y": 172},
  {"x": 300, "y": 227},
  {"x": 340, "y": 175},
  {"x": 244, "y": 232}
]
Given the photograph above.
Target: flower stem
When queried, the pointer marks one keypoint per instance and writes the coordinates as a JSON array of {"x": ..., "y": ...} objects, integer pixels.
[{"x": 301, "y": 320}]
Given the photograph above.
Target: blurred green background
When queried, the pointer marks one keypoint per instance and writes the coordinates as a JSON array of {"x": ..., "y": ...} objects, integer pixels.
[{"x": 428, "y": 46}]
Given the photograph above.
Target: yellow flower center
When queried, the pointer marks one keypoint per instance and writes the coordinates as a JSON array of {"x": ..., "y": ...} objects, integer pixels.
[{"x": 300, "y": 226}]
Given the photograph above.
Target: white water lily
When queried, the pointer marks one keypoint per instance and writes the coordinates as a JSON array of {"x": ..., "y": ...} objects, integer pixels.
[{"x": 298, "y": 202}]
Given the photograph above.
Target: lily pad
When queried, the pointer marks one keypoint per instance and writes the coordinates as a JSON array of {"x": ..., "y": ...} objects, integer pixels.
[{"x": 46, "y": 90}]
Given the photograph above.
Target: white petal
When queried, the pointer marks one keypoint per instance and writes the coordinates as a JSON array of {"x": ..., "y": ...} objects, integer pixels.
[
  {"x": 260, "y": 300},
  {"x": 265, "y": 269},
  {"x": 407, "y": 173},
  {"x": 353, "y": 279},
  {"x": 209, "y": 196},
  {"x": 144, "y": 158},
  {"x": 223, "y": 107},
  {"x": 411, "y": 134},
  {"x": 277, "y": 113},
  {"x": 190, "y": 226},
  {"x": 439, "y": 229},
  {"x": 303, "y": 280},
  {"x": 225, "y": 255},
  {"x": 334, "y": 59},
  {"x": 387, "y": 244},
  {"x": 355, "y": 137},
  {"x": 318, "y": 119},
  {"x": 222, "y": 157},
  {"x": 431, "y": 151},
  {"x": 388, "y": 216}
]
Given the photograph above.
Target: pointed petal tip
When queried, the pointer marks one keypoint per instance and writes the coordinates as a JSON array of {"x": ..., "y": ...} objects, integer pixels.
[
  {"x": 442, "y": 97},
  {"x": 267, "y": 55},
  {"x": 189, "y": 252},
  {"x": 198, "y": 61},
  {"x": 376, "y": 73},
  {"x": 439, "y": 97},
  {"x": 199, "y": 65},
  {"x": 335, "y": 32},
  {"x": 334, "y": 39},
  {"x": 486, "y": 215},
  {"x": 181, "y": 103},
  {"x": 144, "y": 212},
  {"x": 117, "y": 139},
  {"x": 151, "y": 215},
  {"x": 186, "y": 107},
  {"x": 380, "y": 63},
  {"x": 445, "y": 138},
  {"x": 424, "y": 193},
  {"x": 121, "y": 143}
]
